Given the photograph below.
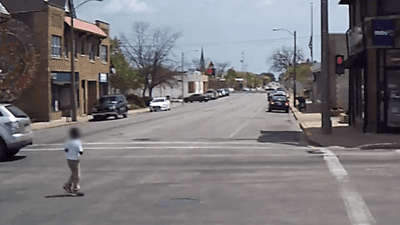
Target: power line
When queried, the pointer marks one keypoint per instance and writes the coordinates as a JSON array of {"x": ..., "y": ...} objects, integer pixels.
[{"x": 249, "y": 41}]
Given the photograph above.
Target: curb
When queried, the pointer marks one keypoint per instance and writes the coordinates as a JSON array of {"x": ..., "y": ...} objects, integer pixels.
[
  {"x": 305, "y": 135},
  {"x": 379, "y": 146},
  {"x": 87, "y": 118}
]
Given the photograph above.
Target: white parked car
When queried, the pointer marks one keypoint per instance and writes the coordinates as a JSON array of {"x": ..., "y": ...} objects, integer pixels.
[
  {"x": 160, "y": 103},
  {"x": 15, "y": 130}
]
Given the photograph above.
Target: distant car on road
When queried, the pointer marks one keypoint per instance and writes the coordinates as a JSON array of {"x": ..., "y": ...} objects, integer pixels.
[
  {"x": 15, "y": 130},
  {"x": 110, "y": 105},
  {"x": 278, "y": 103},
  {"x": 282, "y": 93},
  {"x": 227, "y": 91},
  {"x": 221, "y": 92},
  {"x": 253, "y": 89},
  {"x": 212, "y": 93},
  {"x": 246, "y": 89},
  {"x": 160, "y": 103},
  {"x": 197, "y": 97}
]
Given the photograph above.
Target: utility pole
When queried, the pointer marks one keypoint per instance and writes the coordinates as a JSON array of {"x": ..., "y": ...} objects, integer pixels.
[
  {"x": 72, "y": 58},
  {"x": 242, "y": 61},
  {"x": 325, "y": 70},
  {"x": 294, "y": 71},
  {"x": 182, "y": 77},
  {"x": 312, "y": 34}
]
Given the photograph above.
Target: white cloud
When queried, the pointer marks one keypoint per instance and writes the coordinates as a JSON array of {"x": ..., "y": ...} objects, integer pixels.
[
  {"x": 126, "y": 6},
  {"x": 268, "y": 2}
]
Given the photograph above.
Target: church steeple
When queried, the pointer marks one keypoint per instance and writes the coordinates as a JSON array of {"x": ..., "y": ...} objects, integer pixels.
[{"x": 202, "y": 63}]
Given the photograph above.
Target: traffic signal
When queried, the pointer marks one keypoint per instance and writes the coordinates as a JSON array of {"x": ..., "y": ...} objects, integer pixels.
[{"x": 339, "y": 69}]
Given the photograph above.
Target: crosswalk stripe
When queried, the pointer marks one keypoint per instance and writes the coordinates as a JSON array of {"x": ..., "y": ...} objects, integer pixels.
[
  {"x": 154, "y": 147},
  {"x": 161, "y": 142}
]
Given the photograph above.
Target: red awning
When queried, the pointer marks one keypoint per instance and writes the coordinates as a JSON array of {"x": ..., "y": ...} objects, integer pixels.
[{"x": 85, "y": 26}]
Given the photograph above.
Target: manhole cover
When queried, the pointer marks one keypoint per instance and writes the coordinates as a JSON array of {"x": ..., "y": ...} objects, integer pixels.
[{"x": 178, "y": 202}]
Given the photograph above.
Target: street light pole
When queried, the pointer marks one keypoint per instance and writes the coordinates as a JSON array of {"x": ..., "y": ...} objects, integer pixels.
[
  {"x": 294, "y": 71},
  {"x": 72, "y": 58},
  {"x": 294, "y": 64}
]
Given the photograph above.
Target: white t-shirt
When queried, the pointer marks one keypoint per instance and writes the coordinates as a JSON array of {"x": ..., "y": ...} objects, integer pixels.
[{"x": 74, "y": 146}]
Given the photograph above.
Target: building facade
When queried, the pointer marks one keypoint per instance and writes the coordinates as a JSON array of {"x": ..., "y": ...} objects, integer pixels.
[
  {"x": 194, "y": 82},
  {"x": 49, "y": 96},
  {"x": 373, "y": 49}
]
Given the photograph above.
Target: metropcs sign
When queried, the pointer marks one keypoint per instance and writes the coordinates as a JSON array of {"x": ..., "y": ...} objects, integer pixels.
[{"x": 383, "y": 32}]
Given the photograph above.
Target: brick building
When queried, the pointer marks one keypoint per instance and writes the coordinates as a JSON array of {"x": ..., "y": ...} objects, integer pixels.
[{"x": 49, "y": 96}]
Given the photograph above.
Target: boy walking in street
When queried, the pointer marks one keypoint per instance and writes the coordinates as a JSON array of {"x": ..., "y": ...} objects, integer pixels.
[{"x": 73, "y": 150}]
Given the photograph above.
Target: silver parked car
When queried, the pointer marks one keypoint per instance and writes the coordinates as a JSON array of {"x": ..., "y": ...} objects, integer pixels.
[{"x": 15, "y": 130}]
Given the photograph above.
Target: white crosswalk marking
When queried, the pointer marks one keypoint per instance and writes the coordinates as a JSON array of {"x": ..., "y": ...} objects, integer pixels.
[{"x": 357, "y": 210}]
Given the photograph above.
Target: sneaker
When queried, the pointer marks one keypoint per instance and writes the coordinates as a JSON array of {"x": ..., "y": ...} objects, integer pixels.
[
  {"x": 68, "y": 190},
  {"x": 78, "y": 193}
]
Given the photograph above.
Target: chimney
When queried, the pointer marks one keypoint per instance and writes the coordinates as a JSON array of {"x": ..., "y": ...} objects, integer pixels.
[{"x": 103, "y": 26}]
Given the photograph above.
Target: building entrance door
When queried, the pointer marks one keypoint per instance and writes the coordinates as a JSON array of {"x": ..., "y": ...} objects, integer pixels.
[{"x": 393, "y": 98}]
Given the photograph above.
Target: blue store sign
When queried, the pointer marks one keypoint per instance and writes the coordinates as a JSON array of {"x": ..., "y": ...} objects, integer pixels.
[{"x": 383, "y": 32}]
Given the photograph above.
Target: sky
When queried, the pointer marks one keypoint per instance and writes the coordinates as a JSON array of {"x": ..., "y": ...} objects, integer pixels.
[{"x": 224, "y": 28}]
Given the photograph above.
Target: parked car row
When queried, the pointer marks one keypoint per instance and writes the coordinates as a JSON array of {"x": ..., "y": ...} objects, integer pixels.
[
  {"x": 278, "y": 100},
  {"x": 209, "y": 95},
  {"x": 278, "y": 91}
]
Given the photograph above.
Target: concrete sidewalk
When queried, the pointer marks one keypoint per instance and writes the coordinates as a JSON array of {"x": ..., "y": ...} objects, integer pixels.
[
  {"x": 65, "y": 121},
  {"x": 342, "y": 135}
]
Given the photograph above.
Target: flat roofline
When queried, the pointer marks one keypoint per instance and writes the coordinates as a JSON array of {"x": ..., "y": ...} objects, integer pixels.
[{"x": 346, "y": 2}]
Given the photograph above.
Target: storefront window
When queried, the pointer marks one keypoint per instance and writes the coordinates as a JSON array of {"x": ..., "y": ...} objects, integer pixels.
[
  {"x": 104, "y": 55},
  {"x": 91, "y": 51},
  {"x": 56, "y": 46}
]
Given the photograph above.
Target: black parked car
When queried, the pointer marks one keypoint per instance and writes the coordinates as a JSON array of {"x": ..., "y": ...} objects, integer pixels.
[
  {"x": 278, "y": 102},
  {"x": 110, "y": 105},
  {"x": 197, "y": 97}
]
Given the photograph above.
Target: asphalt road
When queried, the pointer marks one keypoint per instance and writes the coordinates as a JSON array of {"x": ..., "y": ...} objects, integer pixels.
[{"x": 227, "y": 161}]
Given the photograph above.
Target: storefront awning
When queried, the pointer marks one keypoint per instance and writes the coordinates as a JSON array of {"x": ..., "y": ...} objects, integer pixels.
[
  {"x": 85, "y": 26},
  {"x": 358, "y": 60}
]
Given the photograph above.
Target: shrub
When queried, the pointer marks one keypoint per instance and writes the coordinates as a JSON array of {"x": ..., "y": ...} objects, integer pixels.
[{"x": 138, "y": 102}]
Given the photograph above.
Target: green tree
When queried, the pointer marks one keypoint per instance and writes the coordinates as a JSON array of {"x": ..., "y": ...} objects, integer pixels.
[
  {"x": 302, "y": 74},
  {"x": 125, "y": 76},
  {"x": 231, "y": 77}
]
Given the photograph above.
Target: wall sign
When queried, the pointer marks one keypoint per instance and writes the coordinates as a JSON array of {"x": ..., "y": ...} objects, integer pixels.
[
  {"x": 383, "y": 32},
  {"x": 103, "y": 78}
]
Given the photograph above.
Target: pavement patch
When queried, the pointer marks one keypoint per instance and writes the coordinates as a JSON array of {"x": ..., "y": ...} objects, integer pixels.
[{"x": 178, "y": 202}]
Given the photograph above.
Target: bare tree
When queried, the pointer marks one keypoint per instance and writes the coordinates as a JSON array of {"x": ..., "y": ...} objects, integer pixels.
[
  {"x": 282, "y": 59},
  {"x": 220, "y": 68},
  {"x": 150, "y": 51}
]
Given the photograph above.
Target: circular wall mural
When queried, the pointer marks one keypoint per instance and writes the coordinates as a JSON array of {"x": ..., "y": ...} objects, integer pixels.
[{"x": 18, "y": 59}]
